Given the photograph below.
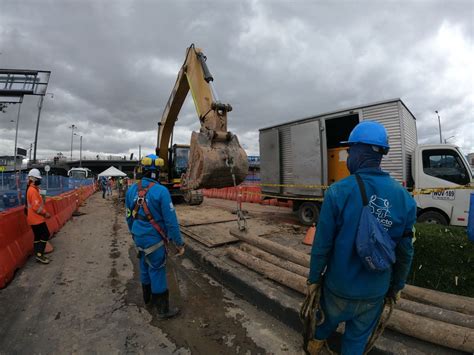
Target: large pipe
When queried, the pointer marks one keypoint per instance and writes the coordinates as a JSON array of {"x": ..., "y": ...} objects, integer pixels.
[
  {"x": 444, "y": 300},
  {"x": 440, "y": 299},
  {"x": 436, "y": 313},
  {"x": 272, "y": 247},
  {"x": 273, "y": 272},
  {"x": 275, "y": 260},
  {"x": 434, "y": 331},
  {"x": 429, "y": 311}
]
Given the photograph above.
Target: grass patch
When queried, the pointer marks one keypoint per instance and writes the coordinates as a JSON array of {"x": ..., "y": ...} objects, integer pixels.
[{"x": 444, "y": 260}]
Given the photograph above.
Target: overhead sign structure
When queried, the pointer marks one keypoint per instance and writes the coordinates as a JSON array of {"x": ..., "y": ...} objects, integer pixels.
[
  {"x": 20, "y": 82},
  {"x": 21, "y": 151}
]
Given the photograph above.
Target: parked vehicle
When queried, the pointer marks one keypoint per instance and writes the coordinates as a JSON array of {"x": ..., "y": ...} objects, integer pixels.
[
  {"x": 299, "y": 158},
  {"x": 79, "y": 173}
]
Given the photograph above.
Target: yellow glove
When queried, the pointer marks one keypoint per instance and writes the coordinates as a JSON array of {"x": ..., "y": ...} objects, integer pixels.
[
  {"x": 180, "y": 250},
  {"x": 394, "y": 295},
  {"x": 312, "y": 288}
]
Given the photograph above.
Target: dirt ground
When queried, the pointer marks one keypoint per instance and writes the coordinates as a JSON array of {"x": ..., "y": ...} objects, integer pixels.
[{"x": 88, "y": 300}]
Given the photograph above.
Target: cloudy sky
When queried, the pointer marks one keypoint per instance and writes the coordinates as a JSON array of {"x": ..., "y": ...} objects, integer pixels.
[{"x": 114, "y": 64}]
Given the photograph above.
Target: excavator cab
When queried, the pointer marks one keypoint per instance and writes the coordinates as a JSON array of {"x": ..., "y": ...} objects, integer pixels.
[
  {"x": 178, "y": 157},
  {"x": 216, "y": 158}
]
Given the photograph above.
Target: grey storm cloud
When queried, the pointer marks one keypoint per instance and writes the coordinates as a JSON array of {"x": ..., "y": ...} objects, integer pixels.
[{"x": 114, "y": 64}]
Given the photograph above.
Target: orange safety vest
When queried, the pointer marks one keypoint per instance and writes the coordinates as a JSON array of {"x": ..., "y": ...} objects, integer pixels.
[{"x": 35, "y": 205}]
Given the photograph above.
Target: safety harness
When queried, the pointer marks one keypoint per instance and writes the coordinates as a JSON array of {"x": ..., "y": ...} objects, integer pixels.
[{"x": 141, "y": 203}]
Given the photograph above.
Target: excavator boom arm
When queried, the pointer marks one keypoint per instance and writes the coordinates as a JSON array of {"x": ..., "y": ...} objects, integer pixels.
[{"x": 215, "y": 153}]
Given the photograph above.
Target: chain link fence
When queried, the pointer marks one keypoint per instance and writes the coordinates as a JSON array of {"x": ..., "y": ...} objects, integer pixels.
[{"x": 53, "y": 184}]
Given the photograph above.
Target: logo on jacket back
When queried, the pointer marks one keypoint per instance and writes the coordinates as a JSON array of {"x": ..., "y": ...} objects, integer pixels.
[{"x": 380, "y": 208}]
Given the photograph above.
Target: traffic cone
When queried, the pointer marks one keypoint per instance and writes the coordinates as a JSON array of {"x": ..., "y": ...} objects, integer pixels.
[{"x": 309, "y": 238}]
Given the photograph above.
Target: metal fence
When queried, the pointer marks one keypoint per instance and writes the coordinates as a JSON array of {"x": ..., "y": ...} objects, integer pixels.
[{"x": 54, "y": 185}]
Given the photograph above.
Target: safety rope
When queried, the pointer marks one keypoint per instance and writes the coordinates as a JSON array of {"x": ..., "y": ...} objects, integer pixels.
[
  {"x": 241, "y": 220},
  {"x": 313, "y": 316}
]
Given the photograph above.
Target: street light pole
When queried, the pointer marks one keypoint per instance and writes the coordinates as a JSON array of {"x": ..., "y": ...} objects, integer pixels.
[
  {"x": 446, "y": 139},
  {"x": 40, "y": 106},
  {"x": 439, "y": 122},
  {"x": 72, "y": 136},
  {"x": 17, "y": 178},
  {"x": 80, "y": 154},
  {"x": 16, "y": 137}
]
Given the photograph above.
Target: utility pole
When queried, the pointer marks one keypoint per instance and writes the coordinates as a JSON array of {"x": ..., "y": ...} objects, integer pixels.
[
  {"x": 72, "y": 136},
  {"x": 439, "y": 122},
  {"x": 40, "y": 106},
  {"x": 139, "y": 152}
]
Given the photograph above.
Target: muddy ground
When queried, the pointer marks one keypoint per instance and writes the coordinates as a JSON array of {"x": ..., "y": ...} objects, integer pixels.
[{"x": 88, "y": 300}]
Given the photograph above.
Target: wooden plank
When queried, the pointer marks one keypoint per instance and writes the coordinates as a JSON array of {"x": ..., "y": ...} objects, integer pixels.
[
  {"x": 209, "y": 235},
  {"x": 187, "y": 223}
]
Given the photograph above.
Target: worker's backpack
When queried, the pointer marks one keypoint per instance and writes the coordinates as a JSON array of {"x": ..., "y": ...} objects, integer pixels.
[{"x": 374, "y": 245}]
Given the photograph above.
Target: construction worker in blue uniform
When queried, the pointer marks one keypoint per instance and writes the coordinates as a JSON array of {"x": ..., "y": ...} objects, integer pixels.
[
  {"x": 349, "y": 292},
  {"x": 152, "y": 220}
]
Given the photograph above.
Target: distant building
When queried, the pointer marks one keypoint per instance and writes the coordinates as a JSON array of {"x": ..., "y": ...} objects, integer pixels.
[{"x": 8, "y": 161}]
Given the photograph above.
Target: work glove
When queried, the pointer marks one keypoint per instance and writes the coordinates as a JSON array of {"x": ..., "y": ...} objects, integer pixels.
[
  {"x": 180, "y": 250},
  {"x": 312, "y": 288},
  {"x": 394, "y": 295}
]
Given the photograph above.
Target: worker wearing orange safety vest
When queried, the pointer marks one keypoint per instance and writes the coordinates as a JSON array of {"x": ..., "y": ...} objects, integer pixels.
[{"x": 36, "y": 215}]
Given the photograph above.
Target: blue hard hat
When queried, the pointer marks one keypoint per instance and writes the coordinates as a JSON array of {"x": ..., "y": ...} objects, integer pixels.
[
  {"x": 152, "y": 162},
  {"x": 369, "y": 132}
]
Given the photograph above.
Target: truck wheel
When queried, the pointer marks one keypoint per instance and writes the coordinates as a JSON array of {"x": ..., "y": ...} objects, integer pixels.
[
  {"x": 432, "y": 217},
  {"x": 308, "y": 213}
]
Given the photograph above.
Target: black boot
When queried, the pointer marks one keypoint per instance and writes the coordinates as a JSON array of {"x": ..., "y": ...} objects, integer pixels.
[
  {"x": 146, "y": 293},
  {"x": 163, "y": 306}
]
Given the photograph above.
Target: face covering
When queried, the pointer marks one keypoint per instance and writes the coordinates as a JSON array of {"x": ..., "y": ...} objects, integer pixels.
[
  {"x": 362, "y": 156},
  {"x": 37, "y": 182}
]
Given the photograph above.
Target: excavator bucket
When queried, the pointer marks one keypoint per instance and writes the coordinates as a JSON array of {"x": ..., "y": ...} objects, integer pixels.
[{"x": 215, "y": 163}]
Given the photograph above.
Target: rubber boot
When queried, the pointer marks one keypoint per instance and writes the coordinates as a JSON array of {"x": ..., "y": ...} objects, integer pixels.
[
  {"x": 146, "y": 293},
  {"x": 315, "y": 346},
  {"x": 163, "y": 306}
]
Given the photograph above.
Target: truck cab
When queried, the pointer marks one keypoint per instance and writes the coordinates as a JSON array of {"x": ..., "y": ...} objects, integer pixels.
[{"x": 441, "y": 166}]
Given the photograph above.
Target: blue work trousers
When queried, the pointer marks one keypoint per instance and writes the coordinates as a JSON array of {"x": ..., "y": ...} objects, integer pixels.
[
  {"x": 153, "y": 271},
  {"x": 360, "y": 316}
]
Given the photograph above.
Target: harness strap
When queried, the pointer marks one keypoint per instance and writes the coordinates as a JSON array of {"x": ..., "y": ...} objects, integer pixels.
[
  {"x": 151, "y": 250},
  {"x": 363, "y": 193},
  {"x": 141, "y": 202}
]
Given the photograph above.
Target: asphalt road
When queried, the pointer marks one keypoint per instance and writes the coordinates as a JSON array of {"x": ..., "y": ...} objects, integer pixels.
[{"x": 88, "y": 300}]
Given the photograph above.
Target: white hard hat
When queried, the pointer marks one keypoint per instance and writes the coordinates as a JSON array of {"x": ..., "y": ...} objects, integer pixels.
[{"x": 34, "y": 173}]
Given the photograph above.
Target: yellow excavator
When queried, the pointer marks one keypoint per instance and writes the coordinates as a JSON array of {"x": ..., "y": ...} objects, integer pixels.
[{"x": 215, "y": 158}]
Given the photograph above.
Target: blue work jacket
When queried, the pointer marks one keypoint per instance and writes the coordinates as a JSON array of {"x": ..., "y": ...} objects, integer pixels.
[
  {"x": 334, "y": 244},
  {"x": 159, "y": 202}
]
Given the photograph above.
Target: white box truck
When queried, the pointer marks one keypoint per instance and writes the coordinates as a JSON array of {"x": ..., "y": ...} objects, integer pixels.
[{"x": 299, "y": 158}]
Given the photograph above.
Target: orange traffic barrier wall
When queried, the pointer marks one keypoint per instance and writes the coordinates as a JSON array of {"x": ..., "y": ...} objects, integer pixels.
[
  {"x": 16, "y": 236},
  {"x": 248, "y": 193}
]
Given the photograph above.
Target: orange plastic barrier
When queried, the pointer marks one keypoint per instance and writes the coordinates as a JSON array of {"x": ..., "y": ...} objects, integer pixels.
[
  {"x": 16, "y": 236},
  {"x": 248, "y": 193}
]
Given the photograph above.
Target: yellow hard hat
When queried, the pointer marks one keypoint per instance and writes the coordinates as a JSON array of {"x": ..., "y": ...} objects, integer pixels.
[{"x": 152, "y": 162}]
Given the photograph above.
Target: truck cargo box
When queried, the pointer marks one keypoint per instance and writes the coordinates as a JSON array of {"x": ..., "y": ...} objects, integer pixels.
[{"x": 295, "y": 156}]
